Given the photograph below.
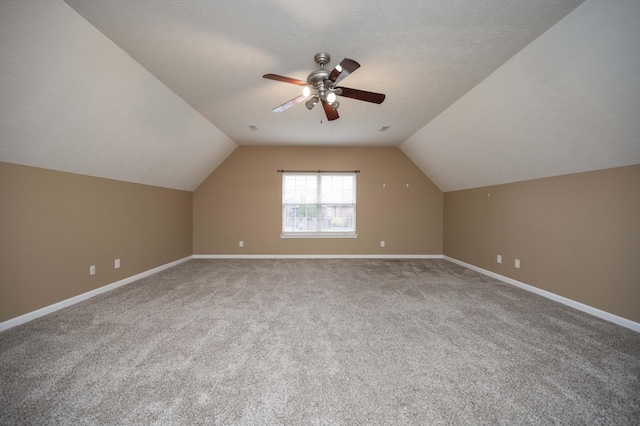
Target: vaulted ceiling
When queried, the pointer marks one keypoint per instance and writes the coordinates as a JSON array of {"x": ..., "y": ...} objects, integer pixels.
[{"x": 477, "y": 93}]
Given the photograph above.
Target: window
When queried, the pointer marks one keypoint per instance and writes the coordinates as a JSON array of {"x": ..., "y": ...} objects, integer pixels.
[{"x": 319, "y": 204}]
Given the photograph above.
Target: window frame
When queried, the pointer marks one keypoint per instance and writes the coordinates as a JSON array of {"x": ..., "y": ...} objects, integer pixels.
[{"x": 318, "y": 205}]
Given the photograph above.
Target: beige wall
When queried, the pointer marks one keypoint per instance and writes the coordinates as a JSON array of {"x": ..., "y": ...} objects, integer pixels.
[
  {"x": 577, "y": 236},
  {"x": 54, "y": 225},
  {"x": 242, "y": 200}
]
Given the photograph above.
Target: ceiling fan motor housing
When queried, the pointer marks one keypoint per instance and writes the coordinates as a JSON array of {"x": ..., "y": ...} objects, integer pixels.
[{"x": 317, "y": 77}]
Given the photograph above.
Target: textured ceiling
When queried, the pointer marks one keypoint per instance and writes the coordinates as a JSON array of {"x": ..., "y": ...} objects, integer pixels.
[
  {"x": 478, "y": 92},
  {"x": 71, "y": 100},
  {"x": 568, "y": 103},
  {"x": 423, "y": 55}
]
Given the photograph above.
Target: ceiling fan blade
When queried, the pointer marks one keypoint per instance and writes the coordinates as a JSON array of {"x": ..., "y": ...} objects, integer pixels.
[
  {"x": 289, "y": 104},
  {"x": 361, "y": 95},
  {"x": 285, "y": 79},
  {"x": 346, "y": 67},
  {"x": 332, "y": 114}
]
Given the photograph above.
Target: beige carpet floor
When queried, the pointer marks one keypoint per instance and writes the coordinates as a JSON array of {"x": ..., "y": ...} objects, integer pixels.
[{"x": 326, "y": 341}]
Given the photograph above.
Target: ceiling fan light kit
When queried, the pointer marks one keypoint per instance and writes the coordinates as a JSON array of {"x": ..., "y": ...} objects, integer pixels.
[{"x": 322, "y": 87}]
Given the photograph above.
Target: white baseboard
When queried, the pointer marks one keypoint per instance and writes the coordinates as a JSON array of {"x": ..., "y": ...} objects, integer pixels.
[
  {"x": 561, "y": 299},
  {"x": 84, "y": 296},
  {"x": 317, "y": 256}
]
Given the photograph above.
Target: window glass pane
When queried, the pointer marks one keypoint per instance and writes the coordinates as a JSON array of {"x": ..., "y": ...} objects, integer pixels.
[
  {"x": 337, "y": 218},
  {"x": 337, "y": 189},
  {"x": 300, "y": 189},
  {"x": 300, "y": 218}
]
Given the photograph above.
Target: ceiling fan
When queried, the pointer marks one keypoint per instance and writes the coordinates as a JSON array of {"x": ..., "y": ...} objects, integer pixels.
[{"x": 322, "y": 86}]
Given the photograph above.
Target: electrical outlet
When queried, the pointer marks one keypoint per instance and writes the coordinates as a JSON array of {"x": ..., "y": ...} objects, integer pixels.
[
  {"x": 499, "y": 258},
  {"x": 381, "y": 243},
  {"x": 517, "y": 263},
  {"x": 117, "y": 263},
  {"x": 241, "y": 243},
  {"x": 92, "y": 270}
]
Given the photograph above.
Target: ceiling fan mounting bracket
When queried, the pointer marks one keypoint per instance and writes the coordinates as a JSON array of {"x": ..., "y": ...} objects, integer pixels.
[{"x": 322, "y": 59}]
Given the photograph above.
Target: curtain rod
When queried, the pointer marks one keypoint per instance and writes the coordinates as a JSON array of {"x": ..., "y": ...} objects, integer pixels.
[{"x": 318, "y": 171}]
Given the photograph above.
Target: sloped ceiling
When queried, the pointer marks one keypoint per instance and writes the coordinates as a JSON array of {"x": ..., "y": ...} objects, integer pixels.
[
  {"x": 71, "y": 100},
  {"x": 423, "y": 55},
  {"x": 568, "y": 103},
  {"x": 161, "y": 92}
]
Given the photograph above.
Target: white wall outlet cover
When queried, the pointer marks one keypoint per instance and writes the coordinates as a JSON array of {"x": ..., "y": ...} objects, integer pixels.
[
  {"x": 499, "y": 259},
  {"x": 381, "y": 243},
  {"x": 241, "y": 243},
  {"x": 117, "y": 263},
  {"x": 517, "y": 263},
  {"x": 92, "y": 270}
]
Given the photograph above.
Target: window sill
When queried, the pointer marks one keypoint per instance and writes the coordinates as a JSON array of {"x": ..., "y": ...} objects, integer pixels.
[{"x": 327, "y": 235}]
